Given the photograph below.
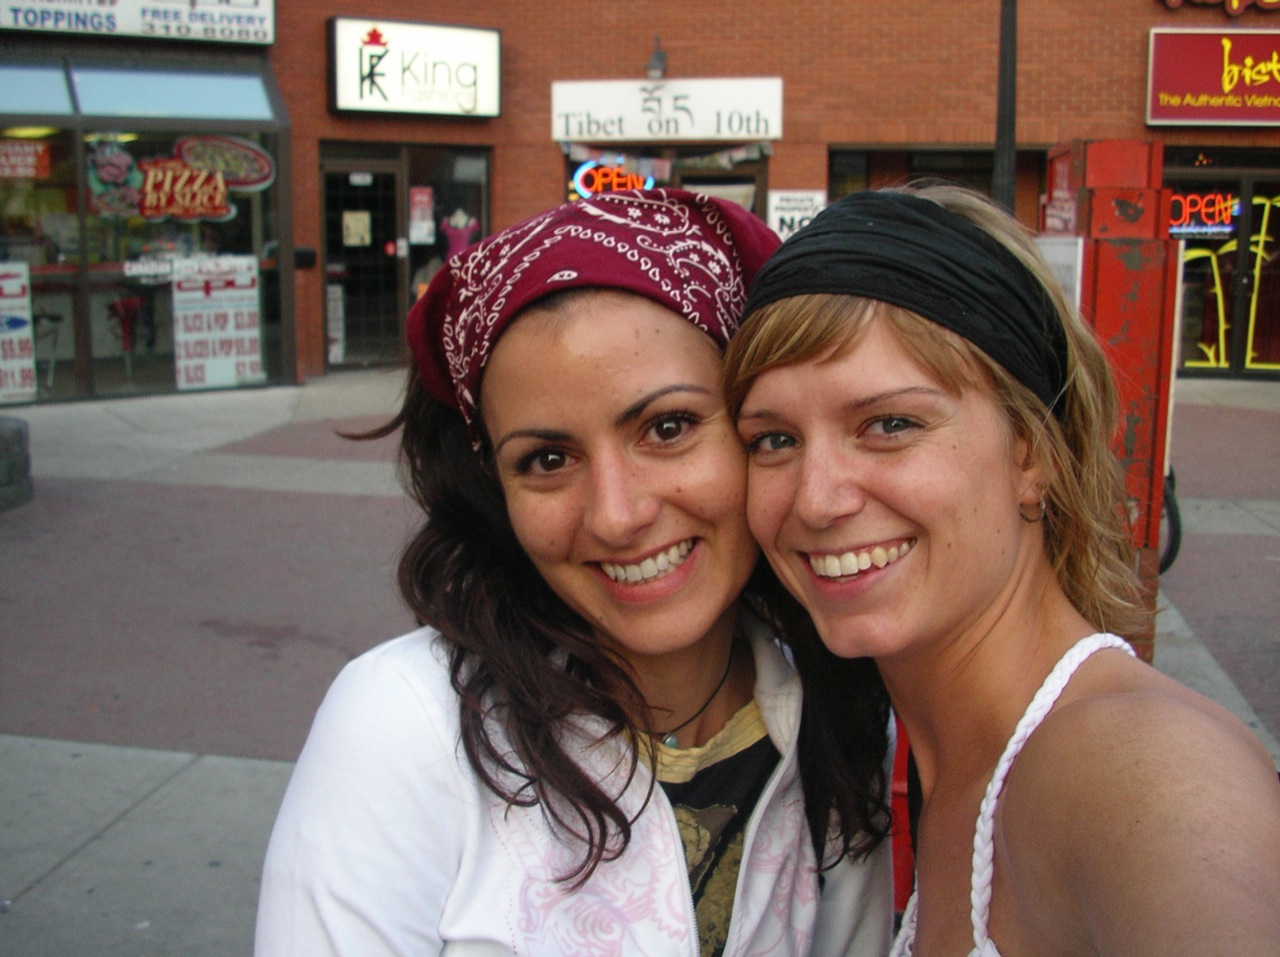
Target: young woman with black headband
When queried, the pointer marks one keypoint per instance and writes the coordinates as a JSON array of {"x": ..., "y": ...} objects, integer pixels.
[
  {"x": 928, "y": 423},
  {"x": 594, "y": 745}
]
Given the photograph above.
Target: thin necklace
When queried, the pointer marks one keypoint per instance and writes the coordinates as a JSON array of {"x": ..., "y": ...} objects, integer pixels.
[{"x": 668, "y": 738}]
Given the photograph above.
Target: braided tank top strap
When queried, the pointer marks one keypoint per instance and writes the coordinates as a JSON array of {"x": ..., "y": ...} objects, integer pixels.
[
  {"x": 983, "y": 841},
  {"x": 905, "y": 942}
]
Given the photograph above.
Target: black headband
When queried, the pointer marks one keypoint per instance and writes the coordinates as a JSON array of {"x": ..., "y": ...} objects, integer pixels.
[{"x": 913, "y": 253}]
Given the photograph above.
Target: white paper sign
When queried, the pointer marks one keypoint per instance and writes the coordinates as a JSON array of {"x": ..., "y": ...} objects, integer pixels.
[
  {"x": 217, "y": 332},
  {"x": 422, "y": 216},
  {"x": 1065, "y": 256},
  {"x": 335, "y": 311},
  {"x": 604, "y": 111},
  {"x": 792, "y": 209},
  {"x": 17, "y": 346}
]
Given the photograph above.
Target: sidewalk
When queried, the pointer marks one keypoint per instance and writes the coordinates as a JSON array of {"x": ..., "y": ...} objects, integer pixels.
[
  {"x": 194, "y": 570},
  {"x": 191, "y": 574}
]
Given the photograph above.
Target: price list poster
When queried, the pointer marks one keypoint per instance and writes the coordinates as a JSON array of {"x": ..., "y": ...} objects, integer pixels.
[
  {"x": 217, "y": 331},
  {"x": 17, "y": 349}
]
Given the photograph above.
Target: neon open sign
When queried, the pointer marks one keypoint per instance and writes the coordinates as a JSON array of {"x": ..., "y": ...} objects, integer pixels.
[
  {"x": 591, "y": 177},
  {"x": 1203, "y": 214}
]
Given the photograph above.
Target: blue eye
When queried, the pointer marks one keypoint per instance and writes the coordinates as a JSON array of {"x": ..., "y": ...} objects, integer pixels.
[
  {"x": 893, "y": 424},
  {"x": 771, "y": 442}
]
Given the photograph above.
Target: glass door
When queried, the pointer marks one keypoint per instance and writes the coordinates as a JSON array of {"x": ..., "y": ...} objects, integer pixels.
[
  {"x": 1260, "y": 292},
  {"x": 1231, "y": 274},
  {"x": 365, "y": 263},
  {"x": 1206, "y": 216}
]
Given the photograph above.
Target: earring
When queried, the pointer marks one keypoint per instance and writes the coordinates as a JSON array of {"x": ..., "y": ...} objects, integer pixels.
[{"x": 1036, "y": 516}]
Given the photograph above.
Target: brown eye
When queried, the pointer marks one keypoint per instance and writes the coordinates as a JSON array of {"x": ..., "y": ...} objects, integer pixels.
[
  {"x": 541, "y": 461},
  {"x": 550, "y": 461},
  {"x": 669, "y": 428}
]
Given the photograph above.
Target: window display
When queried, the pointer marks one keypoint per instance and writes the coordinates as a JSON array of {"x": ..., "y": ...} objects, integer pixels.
[
  {"x": 1231, "y": 276},
  {"x": 143, "y": 243},
  {"x": 160, "y": 290},
  {"x": 39, "y": 248}
]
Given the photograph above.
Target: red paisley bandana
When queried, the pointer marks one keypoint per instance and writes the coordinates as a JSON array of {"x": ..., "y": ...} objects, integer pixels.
[{"x": 691, "y": 253}]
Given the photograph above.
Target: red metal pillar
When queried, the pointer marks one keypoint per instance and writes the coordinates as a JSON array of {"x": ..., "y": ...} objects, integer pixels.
[{"x": 1110, "y": 193}]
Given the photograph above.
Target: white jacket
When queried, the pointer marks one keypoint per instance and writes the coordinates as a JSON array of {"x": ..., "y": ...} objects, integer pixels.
[{"x": 388, "y": 844}]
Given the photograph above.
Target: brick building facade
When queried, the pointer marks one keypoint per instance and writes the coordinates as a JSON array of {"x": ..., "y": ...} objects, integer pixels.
[{"x": 871, "y": 94}]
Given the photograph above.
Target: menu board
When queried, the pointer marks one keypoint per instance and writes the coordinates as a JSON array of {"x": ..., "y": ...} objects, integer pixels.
[
  {"x": 217, "y": 332},
  {"x": 17, "y": 347}
]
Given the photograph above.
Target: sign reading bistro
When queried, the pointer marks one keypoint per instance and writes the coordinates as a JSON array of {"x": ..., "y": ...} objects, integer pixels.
[
  {"x": 1232, "y": 7},
  {"x": 1214, "y": 77}
]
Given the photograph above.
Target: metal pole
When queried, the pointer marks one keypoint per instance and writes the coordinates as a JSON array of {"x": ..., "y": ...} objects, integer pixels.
[{"x": 1003, "y": 170}]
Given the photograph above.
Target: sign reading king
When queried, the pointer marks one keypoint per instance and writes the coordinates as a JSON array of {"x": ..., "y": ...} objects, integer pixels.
[{"x": 389, "y": 67}]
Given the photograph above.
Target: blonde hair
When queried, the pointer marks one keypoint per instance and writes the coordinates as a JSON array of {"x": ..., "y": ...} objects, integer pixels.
[{"x": 1086, "y": 524}]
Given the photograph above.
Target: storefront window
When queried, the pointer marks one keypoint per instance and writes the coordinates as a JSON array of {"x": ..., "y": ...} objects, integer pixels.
[
  {"x": 107, "y": 91},
  {"x": 1263, "y": 343},
  {"x": 849, "y": 171},
  {"x": 34, "y": 89},
  {"x": 1230, "y": 273},
  {"x": 972, "y": 169},
  {"x": 174, "y": 243},
  {"x": 738, "y": 174},
  {"x": 846, "y": 173},
  {"x": 39, "y": 250},
  {"x": 1225, "y": 207},
  {"x": 137, "y": 249},
  {"x": 448, "y": 207}
]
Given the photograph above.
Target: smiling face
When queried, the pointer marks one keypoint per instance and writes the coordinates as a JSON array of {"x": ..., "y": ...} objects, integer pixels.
[
  {"x": 887, "y": 503},
  {"x": 623, "y": 476}
]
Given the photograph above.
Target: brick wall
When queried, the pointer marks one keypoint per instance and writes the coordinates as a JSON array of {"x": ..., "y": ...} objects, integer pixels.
[{"x": 861, "y": 74}]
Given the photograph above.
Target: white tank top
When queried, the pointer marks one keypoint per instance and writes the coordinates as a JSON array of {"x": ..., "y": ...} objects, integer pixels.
[{"x": 983, "y": 844}]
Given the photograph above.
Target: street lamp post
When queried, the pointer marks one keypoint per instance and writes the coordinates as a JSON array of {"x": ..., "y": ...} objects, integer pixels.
[{"x": 1002, "y": 174}]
